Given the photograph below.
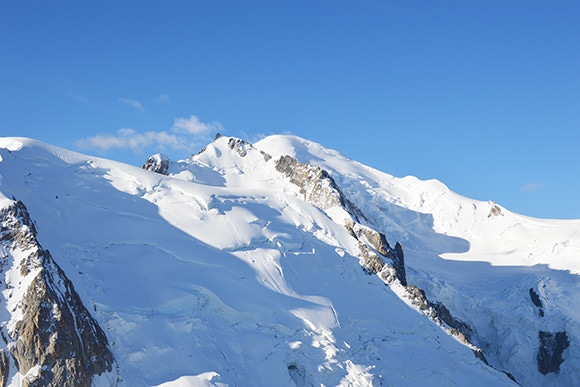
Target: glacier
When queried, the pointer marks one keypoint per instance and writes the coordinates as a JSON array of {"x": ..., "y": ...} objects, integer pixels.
[{"x": 227, "y": 270}]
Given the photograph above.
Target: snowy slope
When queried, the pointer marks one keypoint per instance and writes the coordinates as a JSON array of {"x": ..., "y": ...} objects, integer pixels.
[
  {"x": 478, "y": 258},
  {"x": 222, "y": 274}
]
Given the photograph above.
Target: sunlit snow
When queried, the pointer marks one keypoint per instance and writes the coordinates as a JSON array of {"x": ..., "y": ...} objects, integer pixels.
[{"x": 221, "y": 274}]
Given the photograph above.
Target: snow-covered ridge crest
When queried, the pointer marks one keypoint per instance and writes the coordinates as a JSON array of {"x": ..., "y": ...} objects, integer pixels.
[{"x": 27, "y": 147}]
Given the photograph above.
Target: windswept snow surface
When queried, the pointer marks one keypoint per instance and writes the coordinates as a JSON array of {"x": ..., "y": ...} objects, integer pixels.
[{"x": 221, "y": 274}]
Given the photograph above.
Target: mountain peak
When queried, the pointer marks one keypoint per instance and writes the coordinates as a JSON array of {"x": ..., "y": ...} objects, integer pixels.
[{"x": 331, "y": 271}]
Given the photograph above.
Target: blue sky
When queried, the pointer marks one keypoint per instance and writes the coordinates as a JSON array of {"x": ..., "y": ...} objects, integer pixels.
[{"x": 482, "y": 95}]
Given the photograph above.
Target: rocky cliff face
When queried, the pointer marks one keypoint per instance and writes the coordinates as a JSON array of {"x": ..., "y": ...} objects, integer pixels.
[
  {"x": 50, "y": 338},
  {"x": 317, "y": 186},
  {"x": 552, "y": 345}
]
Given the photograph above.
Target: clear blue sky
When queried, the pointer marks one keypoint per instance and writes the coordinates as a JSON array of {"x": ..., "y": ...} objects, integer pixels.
[{"x": 482, "y": 95}]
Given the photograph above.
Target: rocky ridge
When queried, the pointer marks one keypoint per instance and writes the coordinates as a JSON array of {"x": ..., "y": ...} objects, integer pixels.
[
  {"x": 377, "y": 256},
  {"x": 50, "y": 339}
]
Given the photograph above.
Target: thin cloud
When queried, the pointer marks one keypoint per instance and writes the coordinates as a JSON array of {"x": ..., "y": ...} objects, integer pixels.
[
  {"x": 532, "y": 187},
  {"x": 132, "y": 103},
  {"x": 131, "y": 139},
  {"x": 193, "y": 125},
  {"x": 163, "y": 98},
  {"x": 185, "y": 134}
]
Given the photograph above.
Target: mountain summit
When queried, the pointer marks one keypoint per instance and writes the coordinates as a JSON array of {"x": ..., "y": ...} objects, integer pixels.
[{"x": 274, "y": 263}]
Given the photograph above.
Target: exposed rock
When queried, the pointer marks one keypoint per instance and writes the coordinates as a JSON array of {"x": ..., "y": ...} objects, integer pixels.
[
  {"x": 509, "y": 375},
  {"x": 157, "y": 163},
  {"x": 4, "y": 367},
  {"x": 552, "y": 346},
  {"x": 17, "y": 226},
  {"x": 537, "y": 302},
  {"x": 242, "y": 147},
  {"x": 298, "y": 375},
  {"x": 460, "y": 328},
  {"x": 239, "y": 146},
  {"x": 377, "y": 240},
  {"x": 54, "y": 332},
  {"x": 317, "y": 186},
  {"x": 398, "y": 257},
  {"x": 479, "y": 354},
  {"x": 373, "y": 263},
  {"x": 418, "y": 298},
  {"x": 439, "y": 313},
  {"x": 494, "y": 210}
]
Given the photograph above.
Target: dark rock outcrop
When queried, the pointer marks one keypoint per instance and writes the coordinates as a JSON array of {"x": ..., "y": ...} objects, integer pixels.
[
  {"x": 377, "y": 240},
  {"x": 54, "y": 331},
  {"x": 158, "y": 163},
  {"x": 298, "y": 375},
  {"x": 552, "y": 346},
  {"x": 4, "y": 367},
  {"x": 459, "y": 328},
  {"x": 374, "y": 248},
  {"x": 398, "y": 257},
  {"x": 320, "y": 189},
  {"x": 494, "y": 210},
  {"x": 243, "y": 147},
  {"x": 537, "y": 302},
  {"x": 419, "y": 299}
]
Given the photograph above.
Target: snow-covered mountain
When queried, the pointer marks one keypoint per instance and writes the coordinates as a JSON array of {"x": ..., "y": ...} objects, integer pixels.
[{"x": 274, "y": 264}]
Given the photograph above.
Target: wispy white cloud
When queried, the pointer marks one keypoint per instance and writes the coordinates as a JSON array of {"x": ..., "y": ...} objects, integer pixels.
[
  {"x": 132, "y": 102},
  {"x": 192, "y": 125},
  {"x": 532, "y": 187},
  {"x": 185, "y": 134},
  {"x": 131, "y": 139}
]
